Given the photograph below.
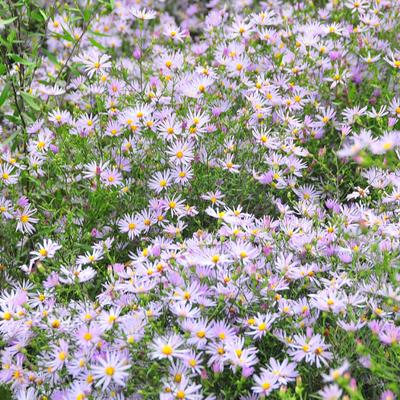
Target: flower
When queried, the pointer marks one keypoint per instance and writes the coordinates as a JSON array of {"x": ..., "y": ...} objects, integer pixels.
[
  {"x": 393, "y": 59},
  {"x": 46, "y": 250},
  {"x": 7, "y": 176},
  {"x": 331, "y": 392},
  {"x": 27, "y": 394},
  {"x": 130, "y": 224},
  {"x": 167, "y": 347},
  {"x": 111, "y": 177},
  {"x": 143, "y": 13},
  {"x": 25, "y": 219},
  {"x": 95, "y": 63},
  {"x": 265, "y": 383},
  {"x": 285, "y": 371},
  {"x": 160, "y": 181},
  {"x": 111, "y": 368},
  {"x": 262, "y": 324},
  {"x": 185, "y": 390},
  {"x": 174, "y": 33},
  {"x": 180, "y": 152}
]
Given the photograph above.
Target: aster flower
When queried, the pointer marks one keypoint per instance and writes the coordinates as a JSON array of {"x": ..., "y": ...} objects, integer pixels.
[
  {"x": 331, "y": 392},
  {"x": 285, "y": 371},
  {"x": 59, "y": 356},
  {"x": 59, "y": 118},
  {"x": 357, "y": 6},
  {"x": 313, "y": 350},
  {"x": 111, "y": 369},
  {"x": 143, "y": 13},
  {"x": 181, "y": 174},
  {"x": 90, "y": 257},
  {"x": 160, "y": 181},
  {"x": 169, "y": 128},
  {"x": 265, "y": 383},
  {"x": 26, "y": 219},
  {"x": 174, "y": 33},
  {"x": 111, "y": 177},
  {"x": 187, "y": 390},
  {"x": 95, "y": 63},
  {"x": 262, "y": 324},
  {"x": 180, "y": 152},
  {"x": 175, "y": 205},
  {"x": 393, "y": 59},
  {"x": 89, "y": 335},
  {"x": 130, "y": 224},
  {"x": 70, "y": 275},
  {"x": 26, "y": 394},
  {"x": 335, "y": 374},
  {"x": 167, "y": 347}
]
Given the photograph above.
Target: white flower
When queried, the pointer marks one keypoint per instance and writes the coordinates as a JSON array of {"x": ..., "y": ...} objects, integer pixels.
[
  {"x": 143, "y": 13},
  {"x": 112, "y": 368},
  {"x": 46, "y": 250}
]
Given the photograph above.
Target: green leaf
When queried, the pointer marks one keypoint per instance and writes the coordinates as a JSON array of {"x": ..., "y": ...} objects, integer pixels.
[
  {"x": 4, "y": 94},
  {"x": 51, "y": 56},
  {"x": 5, "y": 394},
  {"x": 43, "y": 14},
  {"x": 97, "y": 44},
  {"x": 37, "y": 15},
  {"x": 67, "y": 36},
  {"x": 32, "y": 101},
  {"x": 87, "y": 14},
  {"x": 7, "y": 21},
  {"x": 99, "y": 34},
  {"x": 20, "y": 60}
]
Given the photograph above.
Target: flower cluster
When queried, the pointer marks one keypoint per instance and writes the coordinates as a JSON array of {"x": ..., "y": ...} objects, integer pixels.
[{"x": 202, "y": 202}]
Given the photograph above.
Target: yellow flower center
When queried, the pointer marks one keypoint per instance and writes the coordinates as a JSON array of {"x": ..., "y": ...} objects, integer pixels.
[
  {"x": 167, "y": 350},
  {"x": 215, "y": 258},
  {"x": 262, "y": 326},
  {"x": 387, "y": 145},
  {"x": 7, "y": 316},
  {"x": 306, "y": 348},
  {"x": 56, "y": 324},
  {"x": 43, "y": 252},
  {"x": 192, "y": 362},
  {"x": 266, "y": 385}
]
